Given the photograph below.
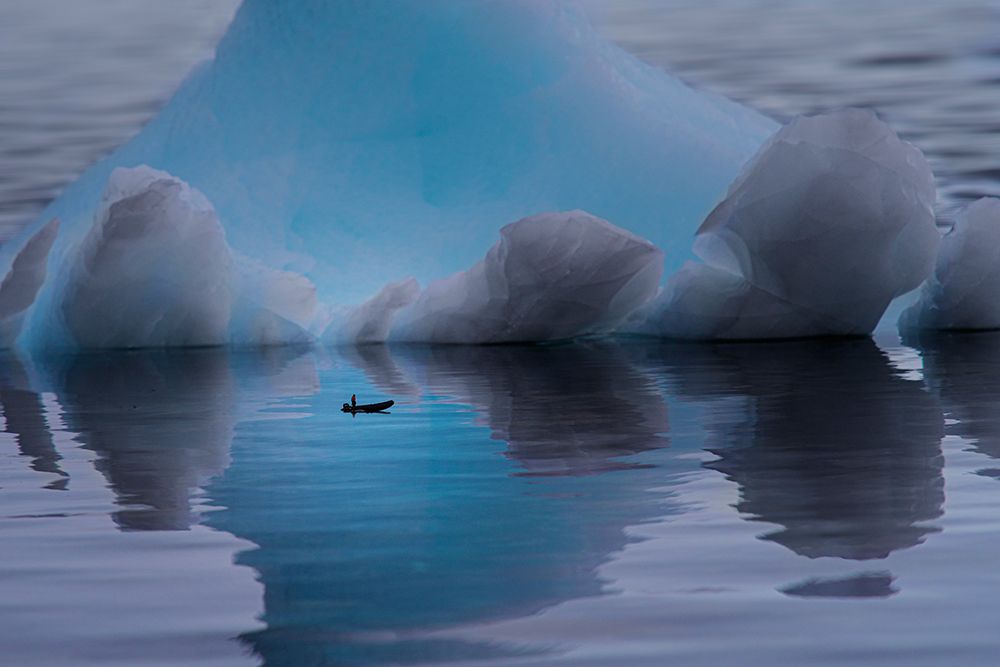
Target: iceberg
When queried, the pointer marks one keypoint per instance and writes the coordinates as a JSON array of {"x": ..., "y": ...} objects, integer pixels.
[
  {"x": 550, "y": 277},
  {"x": 964, "y": 292},
  {"x": 347, "y": 145},
  {"x": 825, "y": 226}
]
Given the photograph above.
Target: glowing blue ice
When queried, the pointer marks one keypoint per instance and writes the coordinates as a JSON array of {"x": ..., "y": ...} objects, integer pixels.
[{"x": 354, "y": 143}]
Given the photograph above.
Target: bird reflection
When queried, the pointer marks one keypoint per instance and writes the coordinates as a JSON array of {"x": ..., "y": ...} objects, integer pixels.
[
  {"x": 964, "y": 371},
  {"x": 24, "y": 416},
  {"x": 562, "y": 410},
  {"x": 828, "y": 441}
]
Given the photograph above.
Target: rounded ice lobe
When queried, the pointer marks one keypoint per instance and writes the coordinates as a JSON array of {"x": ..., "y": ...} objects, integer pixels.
[
  {"x": 825, "y": 226},
  {"x": 550, "y": 277},
  {"x": 964, "y": 292},
  {"x": 154, "y": 270}
]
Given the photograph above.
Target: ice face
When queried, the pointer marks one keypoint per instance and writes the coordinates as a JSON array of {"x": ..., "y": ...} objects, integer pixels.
[
  {"x": 22, "y": 282},
  {"x": 552, "y": 276},
  {"x": 357, "y": 143},
  {"x": 154, "y": 269},
  {"x": 964, "y": 292},
  {"x": 829, "y": 222}
]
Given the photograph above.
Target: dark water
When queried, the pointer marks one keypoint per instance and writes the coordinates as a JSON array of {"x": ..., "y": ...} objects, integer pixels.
[{"x": 592, "y": 504}]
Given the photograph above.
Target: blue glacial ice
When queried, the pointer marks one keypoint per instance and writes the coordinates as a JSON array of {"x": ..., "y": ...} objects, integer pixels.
[
  {"x": 825, "y": 226},
  {"x": 964, "y": 292},
  {"x": 332, "y": 151},
  {"x": 347, "y": 145},
  {"x": 23, "y": 280}
]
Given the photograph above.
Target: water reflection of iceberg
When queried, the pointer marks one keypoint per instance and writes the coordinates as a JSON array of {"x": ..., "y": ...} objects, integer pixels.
[
  {"x": 964, "y": 371},
  {"x": 24, "y": 416},
  {"x": 828, "y": 441},
  {"x": 569, "y": 409},
  {"x": 161, "y": 423},
  {"x": 368, "y": 535}
]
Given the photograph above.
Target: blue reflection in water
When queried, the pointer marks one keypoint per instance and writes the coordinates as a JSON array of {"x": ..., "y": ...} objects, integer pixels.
[
  {"x": 505, "y": 477},
  {"x": 24, "y": 415},
  {"x": 436, "y": 515},
  {"x": 834, "y": 446},
  {"x": 962, "y": 369}
]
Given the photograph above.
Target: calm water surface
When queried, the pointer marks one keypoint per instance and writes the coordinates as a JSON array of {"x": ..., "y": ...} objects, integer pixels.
[
  {"x": 591, "y": 504},
  {"x": 588, "y": 504}
]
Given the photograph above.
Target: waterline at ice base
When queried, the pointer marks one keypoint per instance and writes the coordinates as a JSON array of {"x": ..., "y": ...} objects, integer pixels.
[{"x": 333, "y": 148}]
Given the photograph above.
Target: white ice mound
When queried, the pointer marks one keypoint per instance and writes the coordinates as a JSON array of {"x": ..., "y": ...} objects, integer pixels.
[
  {"x": 964, "y": 292},
  {"x": 154, "y": 270},
  {"x": 828, "y": 223},
  {"x": 550, "y": 277},
  {"x": 22, "y": 282},
  {"x": 358, "y": 143}
]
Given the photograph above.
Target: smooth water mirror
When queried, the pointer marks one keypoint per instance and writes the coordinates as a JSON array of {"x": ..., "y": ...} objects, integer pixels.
[{"x": 550, "y": 504}]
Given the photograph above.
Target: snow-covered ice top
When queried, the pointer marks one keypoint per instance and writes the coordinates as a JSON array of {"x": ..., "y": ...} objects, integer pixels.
[
  {"x": 825, "y": 226},
  {"x": 964, "y": 292}
]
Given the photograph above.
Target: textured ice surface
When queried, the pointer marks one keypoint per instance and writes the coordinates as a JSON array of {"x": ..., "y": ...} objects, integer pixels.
[
  {"x": 829, "y": 222},
  {"x": 964, "y": 292},
  {"x": 154, "y": 269},
  {"x": 550, "y": 277},
  {"x": 23, "y": 280},
  {"x": 357, "y": 143}
]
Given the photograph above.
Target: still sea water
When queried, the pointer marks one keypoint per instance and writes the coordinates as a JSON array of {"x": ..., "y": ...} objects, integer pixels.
[{"x": 601, "y": 503}]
